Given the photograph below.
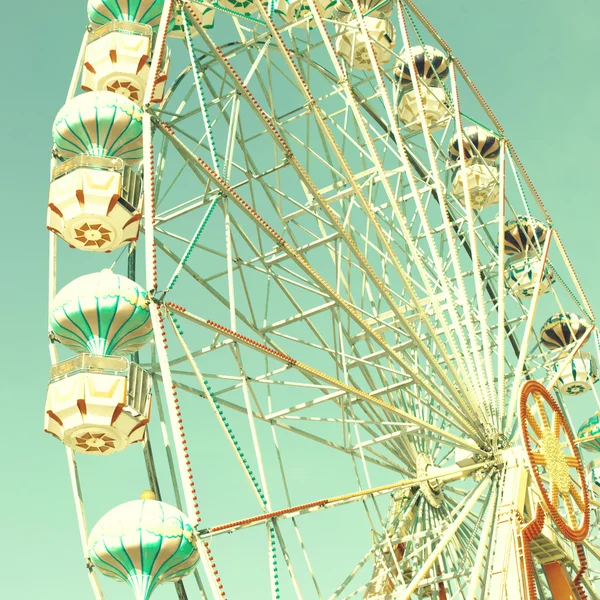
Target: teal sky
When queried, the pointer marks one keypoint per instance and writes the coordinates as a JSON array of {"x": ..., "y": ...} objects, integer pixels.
[{"x": 535, "y": 63}]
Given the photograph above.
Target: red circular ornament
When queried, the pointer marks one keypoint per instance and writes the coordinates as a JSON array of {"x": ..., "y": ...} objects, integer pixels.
[{"x": 554, "y": 461}]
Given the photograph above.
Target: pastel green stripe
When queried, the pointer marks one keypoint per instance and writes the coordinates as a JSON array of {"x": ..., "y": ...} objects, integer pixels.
[
  {"x": 145, "y": 18},
  {"x": 76, "y": 135},
  {"x": 125, "y": 559},
  {"x": 176, "y": 562},
  {"x": 131, "y": 344},
  {"x": 122, "y": 332},
  {"x": 110, "y": 10},
  {"x": 78, "y": 320},
  {"x": 115, "y": 152},
  {"x": 66, "y": 334},
  {"x": 99, "y": 562}
]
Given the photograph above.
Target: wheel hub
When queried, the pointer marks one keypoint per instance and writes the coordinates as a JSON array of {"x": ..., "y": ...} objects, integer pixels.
[
  {"x": 556, "y": 462},
  {"x": 431, "y": 489}
]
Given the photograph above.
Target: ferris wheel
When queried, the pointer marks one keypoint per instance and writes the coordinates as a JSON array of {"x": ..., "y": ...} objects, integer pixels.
[{"x": 335, "y": 320}]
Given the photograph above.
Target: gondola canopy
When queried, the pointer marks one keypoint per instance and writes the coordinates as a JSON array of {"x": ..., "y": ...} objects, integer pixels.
[
  {"x": 430, "y": 64},
  {"x": 144, "y": 543},
  {"x": 102, "y": 314},
  {"x": 147, "y": 12},
  {"x": 563, "y": 329},
  {"x": 589, "y": 429},
  {"x": 99, "y": 124},
  {"x": 524, "y": 234},
  {"x": 477, "y": 143}
]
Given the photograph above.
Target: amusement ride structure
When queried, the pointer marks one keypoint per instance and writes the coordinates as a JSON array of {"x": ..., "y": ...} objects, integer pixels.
[{"x": 330, "y": 283}]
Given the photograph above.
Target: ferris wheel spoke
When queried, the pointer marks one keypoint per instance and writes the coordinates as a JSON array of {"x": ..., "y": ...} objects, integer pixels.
[
  {"x": 482, "y": 561},
  {"x": 448, "y": 536},
  {"x": 386, "y": 572},
  {"x": 538, "y": 458},
  {"x": 541, "y": 407},
  {"x": 282, "y": 412},
  {"x": 458, "y": 399},
  {"x": 534, "y": 425},
  {"x": 393, "y": 126},
  {"x": 373, "y": 457},
  {"x": 309, "y": 507},
  {"x": 361, "y": 563},
  {"x": 435, "y": 173},
  {"x": 444, "y": 434},
  {"x": 425, "y": 382},
  {"x": 487, "y": 359}
]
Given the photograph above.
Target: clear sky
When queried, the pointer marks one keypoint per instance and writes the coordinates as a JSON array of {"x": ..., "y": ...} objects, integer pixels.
[{"x": 534, "y": 61}]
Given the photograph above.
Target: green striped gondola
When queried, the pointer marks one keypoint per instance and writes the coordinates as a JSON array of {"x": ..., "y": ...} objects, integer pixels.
[
  {"x": 147, "y": 12},
  {"x": 144, "y": 543},
  {"x": 99, "y": 124},
  {"x": 589, "y": 428},
  {"x": 103, "y": 314}
]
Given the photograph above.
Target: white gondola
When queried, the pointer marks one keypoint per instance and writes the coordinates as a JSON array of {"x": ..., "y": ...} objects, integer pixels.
[
  {"x": 351, "y": 43},
  {"x": 117, "y": 59},
  {"x": 435, "y": 108},
  {"x": 522, "y": 273},
  {"x": 524, "y": 238},
  {"x": 481, "y": 149},
  {"x": 431, "y": 68},
  {"x": 95, "y": 203},
  {"x": 578, "y": 376},
  {"x": 98, "y": 404},
  {"x": 482, "y": 183}
]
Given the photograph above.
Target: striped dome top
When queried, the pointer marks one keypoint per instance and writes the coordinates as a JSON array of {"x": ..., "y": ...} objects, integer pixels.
[
  {"x": 99, "y": 124},
  {"x": 590, "y": 427},
  {"x": 103, "y": 314},
  {"x": 563, "y": 329},
  {"x": 477, "y": 142},
  {"x": 147, "y": 12},
  {"x": 429, "y": 62},
  {"x": 144, "y": 543},
  {"x": 523, "y": 234}
]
